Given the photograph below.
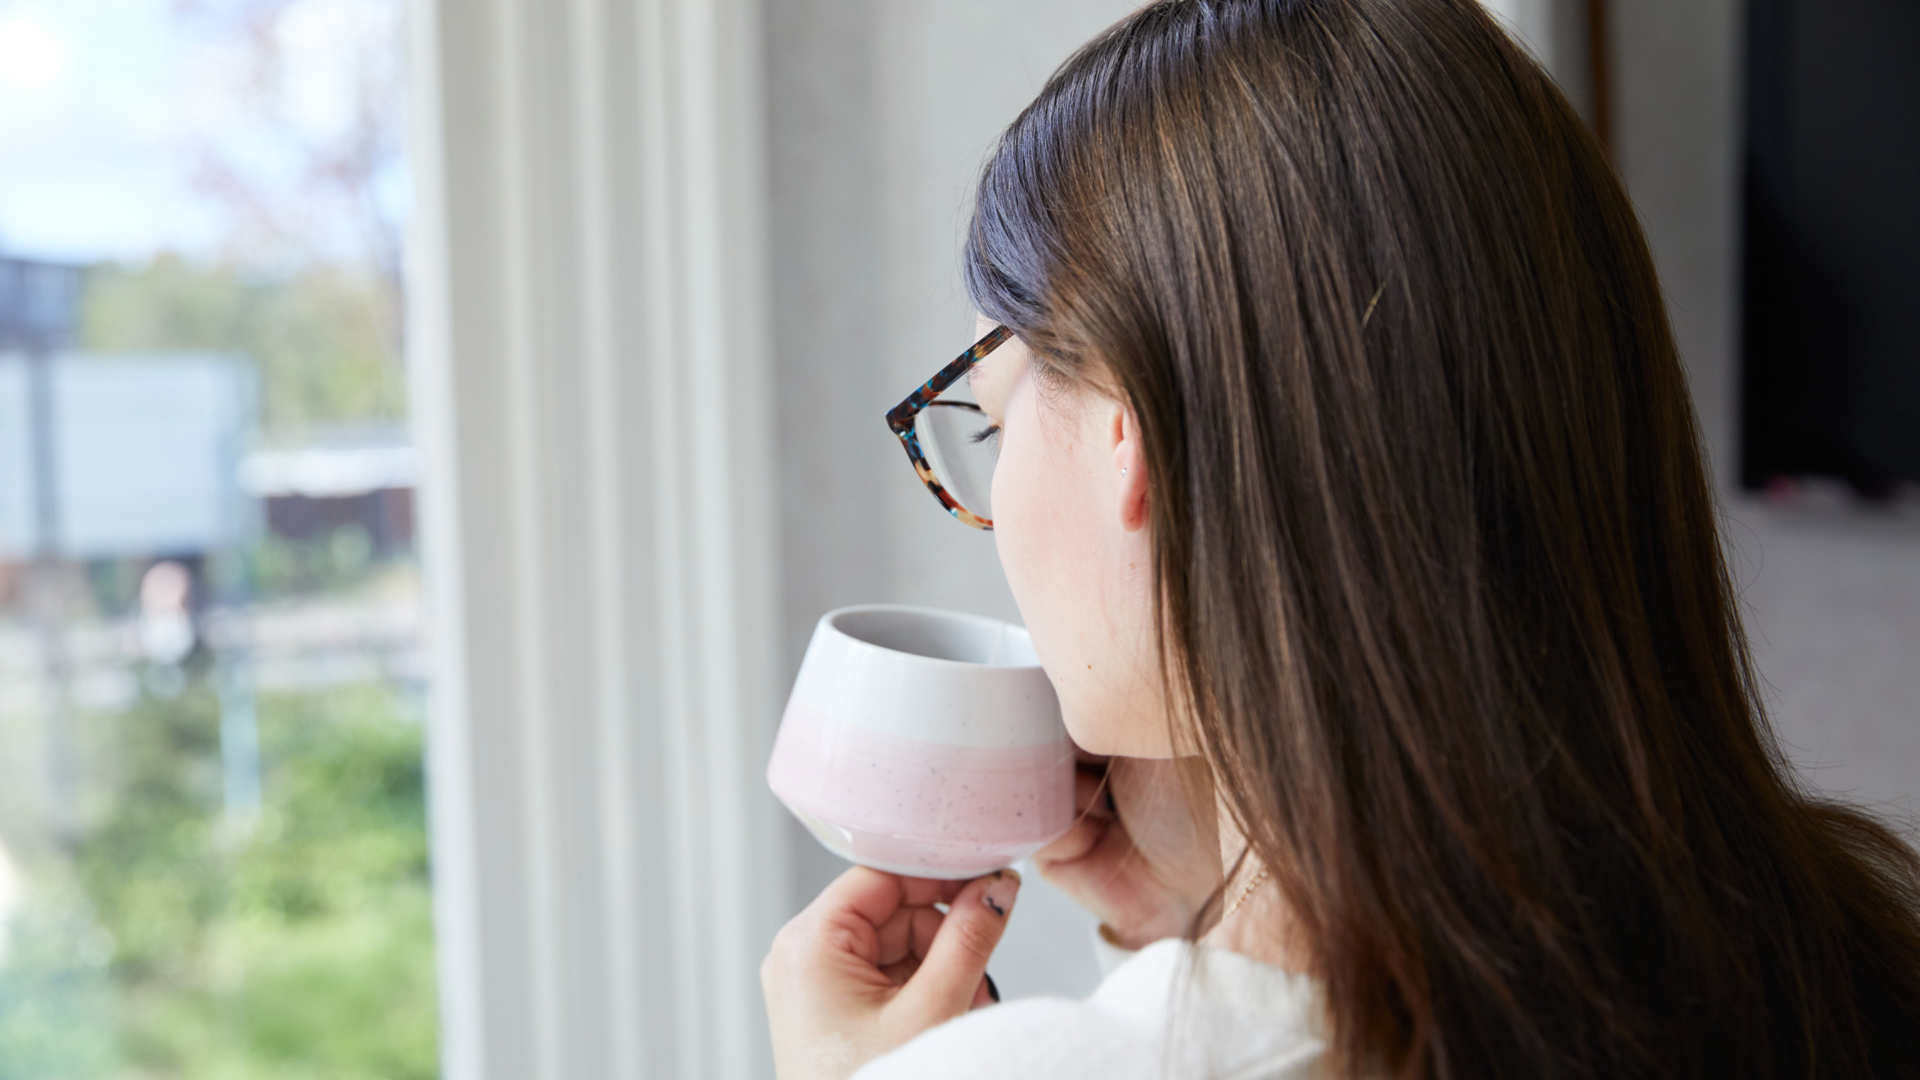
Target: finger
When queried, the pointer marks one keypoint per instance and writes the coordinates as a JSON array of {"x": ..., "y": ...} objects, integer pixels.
[
  {"x": 926, "y": 926},
  {"x": 847, "y": 915},
  {"x": 1093, "y": 792},
  {"x": 987, "y": 994},
  {"x": 893, "y": 937},
  {"x": 899, "y": 973},
  {"x": 956, "y": 961},
  {"x": 1116, "y": 883},
  {"x": 1080, "y": 838},
  {"x": 874, "y": 895},
  {"x": 1086, "y": 832},
  {"x": 908, "y": 935}
]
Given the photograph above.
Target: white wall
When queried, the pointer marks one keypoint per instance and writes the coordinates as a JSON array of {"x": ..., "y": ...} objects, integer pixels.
[
  {"x": 1677, "y": 119},
  {"x": 1556, "y": 32}
]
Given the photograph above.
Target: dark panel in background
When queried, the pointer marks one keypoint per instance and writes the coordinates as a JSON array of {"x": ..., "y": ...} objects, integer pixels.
[{"x": 1830, "y": 328}]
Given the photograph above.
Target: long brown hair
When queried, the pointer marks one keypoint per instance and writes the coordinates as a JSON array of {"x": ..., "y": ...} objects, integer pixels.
[{"x": 1445, "y": 606}]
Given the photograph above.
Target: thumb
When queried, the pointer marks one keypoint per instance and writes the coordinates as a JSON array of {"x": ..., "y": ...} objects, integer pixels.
[{"x": 956, "y": 962}]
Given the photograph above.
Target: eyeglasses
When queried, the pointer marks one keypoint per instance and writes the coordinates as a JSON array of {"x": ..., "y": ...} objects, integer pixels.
[{"x": 950, "y": 440}]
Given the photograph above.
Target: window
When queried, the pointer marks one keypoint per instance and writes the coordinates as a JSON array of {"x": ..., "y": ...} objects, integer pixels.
[{"x": 213, "y": 852}]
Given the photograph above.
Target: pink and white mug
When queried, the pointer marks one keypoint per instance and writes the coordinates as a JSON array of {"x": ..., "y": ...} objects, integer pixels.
[{"x": 924, "y": 742}]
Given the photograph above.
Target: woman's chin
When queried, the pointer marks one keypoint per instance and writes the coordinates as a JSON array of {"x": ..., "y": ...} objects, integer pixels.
[
  {"x": 1095, "y": 732},
  {"x": 1091, "y": 737}
]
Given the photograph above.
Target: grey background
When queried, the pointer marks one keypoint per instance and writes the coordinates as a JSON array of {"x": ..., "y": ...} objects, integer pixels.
[{"x": 880, "y": 114}]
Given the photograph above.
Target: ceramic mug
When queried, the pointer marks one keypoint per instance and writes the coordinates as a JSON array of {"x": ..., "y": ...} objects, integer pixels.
[{"x": 924, "y": 742}]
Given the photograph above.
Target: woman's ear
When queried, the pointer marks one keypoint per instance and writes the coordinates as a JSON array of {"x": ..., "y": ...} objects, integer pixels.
[{"x": 1129, "y": 470}]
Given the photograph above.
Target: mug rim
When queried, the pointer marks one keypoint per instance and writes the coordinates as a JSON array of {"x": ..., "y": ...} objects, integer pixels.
[{"x": 831, "y": 621}]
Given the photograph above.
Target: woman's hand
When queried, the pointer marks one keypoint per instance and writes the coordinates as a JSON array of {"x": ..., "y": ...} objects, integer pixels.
[
  {"x": 871, "y": 963},
  {"x": 1137, "y": 857}
]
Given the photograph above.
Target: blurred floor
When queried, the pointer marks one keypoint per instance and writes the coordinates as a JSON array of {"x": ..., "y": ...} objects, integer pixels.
[{"x": 1832, "y": 595}]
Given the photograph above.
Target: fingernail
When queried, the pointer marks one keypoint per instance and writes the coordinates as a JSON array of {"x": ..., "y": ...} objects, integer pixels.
[
  {"x": 992, "y": 990},
  {"x": 999, "y": 895}
]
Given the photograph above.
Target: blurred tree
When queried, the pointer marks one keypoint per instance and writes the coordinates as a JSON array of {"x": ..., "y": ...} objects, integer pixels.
[
  {"x": 163, "y": 941},
  {"x": 169, "y": 945},
  {"x": 319, "y": 335},
  {"x": 305, "y": 167},
  {"x": 317, "y": 92}
]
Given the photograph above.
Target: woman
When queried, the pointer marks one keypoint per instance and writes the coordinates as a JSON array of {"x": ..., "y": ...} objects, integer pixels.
[{"x": 1344, "y": 457}]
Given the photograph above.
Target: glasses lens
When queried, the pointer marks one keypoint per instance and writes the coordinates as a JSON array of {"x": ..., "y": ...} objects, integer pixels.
[{"x": 961, "y": 445}]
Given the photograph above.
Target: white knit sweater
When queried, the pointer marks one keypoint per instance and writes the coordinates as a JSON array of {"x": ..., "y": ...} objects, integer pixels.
[{"x": 1242, "y": 1020}]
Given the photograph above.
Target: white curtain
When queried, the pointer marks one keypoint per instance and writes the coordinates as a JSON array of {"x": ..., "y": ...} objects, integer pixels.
[{"x": 587, "y": 335}]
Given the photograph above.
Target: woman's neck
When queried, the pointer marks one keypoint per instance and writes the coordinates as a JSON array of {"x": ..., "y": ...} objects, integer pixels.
[{"x": 1259, "y": 925}]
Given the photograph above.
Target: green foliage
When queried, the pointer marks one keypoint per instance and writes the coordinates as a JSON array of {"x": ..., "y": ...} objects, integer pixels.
[
  {"x": 325, "y": 338},
  {"x": 56, "y": 1001},
  {"x": 170, "y": 940},
  {"x": 282, "y": 567}
]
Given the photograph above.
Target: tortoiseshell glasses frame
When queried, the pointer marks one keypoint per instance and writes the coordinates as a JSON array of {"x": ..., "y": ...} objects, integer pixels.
[{"x": 901, "y": 419}]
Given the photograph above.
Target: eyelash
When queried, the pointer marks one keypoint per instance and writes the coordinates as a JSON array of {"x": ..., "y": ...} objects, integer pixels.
[{"x": 986, "y": 433}]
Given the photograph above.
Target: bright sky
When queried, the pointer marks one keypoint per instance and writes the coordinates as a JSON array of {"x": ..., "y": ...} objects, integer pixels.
[{"x": 102, "y": 103}]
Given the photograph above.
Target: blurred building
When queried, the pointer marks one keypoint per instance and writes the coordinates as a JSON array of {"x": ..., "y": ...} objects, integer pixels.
[
  {"x": 38, "y": 299},
  {"x": 137, "y": 454},
  {"x": 123, "y": 455},
  {"x": 364, "y": 478}
]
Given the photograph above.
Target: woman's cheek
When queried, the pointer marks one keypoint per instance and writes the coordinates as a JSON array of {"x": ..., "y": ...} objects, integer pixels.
[
  {"x": 1009, "y": 524},
  {"x": 1019, "y": 528}
]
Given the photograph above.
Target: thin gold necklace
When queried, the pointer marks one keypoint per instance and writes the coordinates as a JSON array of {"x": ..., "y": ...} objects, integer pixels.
[{"x": 1252, "y": 884}]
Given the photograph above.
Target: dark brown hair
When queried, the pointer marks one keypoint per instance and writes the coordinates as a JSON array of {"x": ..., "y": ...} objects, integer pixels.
[{"x": 1444, "y": 599}]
